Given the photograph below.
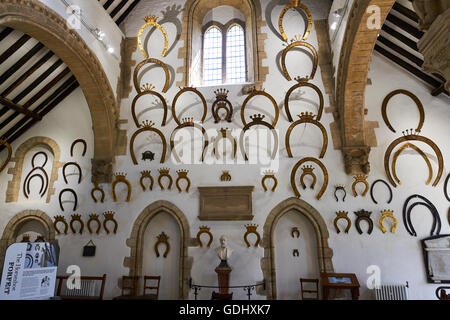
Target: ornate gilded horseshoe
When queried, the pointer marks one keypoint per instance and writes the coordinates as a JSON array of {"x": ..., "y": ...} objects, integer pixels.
[
  {"x": 97, "y": 188},
  {"x": 188, "y": 122},
  {"x": 251, "y": 228},
  {"x": 363, "y": 215},
  {"x": 109, "y": 216},
  {"x": 27, "y": 184},
  {"x": 257, "y": 119},
  {"x": 34, "y": 158},
  {"x": 295, "y": 4},
  {"x": 269, "y": 175},
  {"x": 340, "y": 187},
  {"x": 419, "y": 151},
  {"x": 75, "y": 196},
  {"x": 121, "y": 178},
  {"x": 413, "y": 137},
  {"x": 83, "y": 142},
  {"x": 222, "y": 103},
  {"x": 342, "y": 215},
  {"x": 360, "y": 178},
  {"x": 325, "y": 176},
  {"x": 143, "y": 63},
  {"x": 224, "y": 134},
  {"x": 162, "y": 238},
  {"x": 164, "y": 172},
  {"x": 308, "y": 171},
  {"x": 260, "y": 93},
  {"x": 146, "y": 174},
  {"x": 198, "y": 93},
  {"x": 300, "y": 84},
  {"x": 299, "y": 44},
  {"x": 387, "y": 185},
  {"x": 76, "y": 218},
  {"x": 388, "y": 214},
  {"x": 295, "y": 230},
  {"x": 147, "y": 125},
  {"x": 182, "y": 175},
  {"x": 5, "y": 143},
  {"x": 94, "y": 218},
  {"x": 306, "y": 117},
  {"x": 445, "y": 188},
  {"x": 413, "y": 97},
  {"x": 151, "y": 21},
  {"x": 72, "y": 164},
  {"x": 205, "y": 229},
  {"x": 148, "y": 91},
  {"x": 61, "y": 219}
]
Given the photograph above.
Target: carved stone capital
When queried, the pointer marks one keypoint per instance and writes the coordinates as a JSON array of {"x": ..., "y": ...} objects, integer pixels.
[
  {"x": 434, "y": 47},
  {"x": 356, "y": 160},
  {"x": 429, "y": 10},
  {"x": 102, "y": 170}
]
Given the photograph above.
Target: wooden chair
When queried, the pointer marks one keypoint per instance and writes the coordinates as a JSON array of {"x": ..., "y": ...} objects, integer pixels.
[
  {"x": 442, "y": 294},
  {"x": 309, "y": 292},
  {"x": 85, "y": 292},
  {"x": 129, "y": 283},
  {"x": 150, "y": 287},
  {"x": 221, "y": 296}
]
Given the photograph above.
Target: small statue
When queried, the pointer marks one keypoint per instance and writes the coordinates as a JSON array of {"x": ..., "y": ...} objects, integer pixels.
[{"x": 223, "y": 252}]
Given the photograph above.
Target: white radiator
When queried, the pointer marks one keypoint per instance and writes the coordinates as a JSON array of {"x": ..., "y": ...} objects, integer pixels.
[
  {"x": 392, "y": 292},
  {"x": 87, "y": 289}
]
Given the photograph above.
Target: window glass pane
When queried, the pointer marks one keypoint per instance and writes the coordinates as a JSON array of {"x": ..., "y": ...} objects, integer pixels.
[
  {"x": 235, "y": 55},
  {"x": 212, "y": 57}
]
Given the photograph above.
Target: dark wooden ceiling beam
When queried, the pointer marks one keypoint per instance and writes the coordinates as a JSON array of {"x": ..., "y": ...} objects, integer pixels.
[
  {"x": 5, "y": 32},
  {"x": 410, "y": 14},
  {"x": 18, "y": 108},
  {"x": 14, "y": 47},
  {"x": 405, "y": 26},
  {"x": 20, "y": 63},
  {"x": 405, "y": 53},
  {"x": 127, "y": 12},
  {"x": 108, "y": 4},
  {"x": 397, "y": 35},
  {"x": 118, "y": 8},
  {"x": 27, "y": 74},
  {"x": 409, "y": 67}
]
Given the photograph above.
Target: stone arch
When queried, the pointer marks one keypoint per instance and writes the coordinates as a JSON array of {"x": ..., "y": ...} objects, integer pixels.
[
  {"x": 14, "y": 225},
  {"x": 193, "y": 14},
  {"x": 325, "y": 253},
  {"x": 357, "y": 135},
  {"x": 12, "y": 192},
  {"x": 45, "y": 25},
  {"x": 135, "y": 261}
]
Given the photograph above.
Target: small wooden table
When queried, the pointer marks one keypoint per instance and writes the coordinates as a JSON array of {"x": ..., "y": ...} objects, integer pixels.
[{"x": 340, "y": 281}]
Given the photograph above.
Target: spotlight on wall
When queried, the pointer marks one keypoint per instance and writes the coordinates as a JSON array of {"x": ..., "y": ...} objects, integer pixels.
[
  {"x": 110, "y": 49},
  {"x": 333, "y": 25},
  {"x": 338, "y": 12}
]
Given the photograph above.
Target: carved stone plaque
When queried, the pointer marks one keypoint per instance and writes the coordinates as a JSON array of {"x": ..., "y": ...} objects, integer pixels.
[{"x": 226, "y": 203}]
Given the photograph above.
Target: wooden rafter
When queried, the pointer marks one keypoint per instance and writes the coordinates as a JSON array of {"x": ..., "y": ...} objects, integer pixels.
[{"x": 18, "y": 108}]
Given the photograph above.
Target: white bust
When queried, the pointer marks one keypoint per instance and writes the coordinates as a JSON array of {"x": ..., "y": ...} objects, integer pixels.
[{"x": 223, "y": 252}]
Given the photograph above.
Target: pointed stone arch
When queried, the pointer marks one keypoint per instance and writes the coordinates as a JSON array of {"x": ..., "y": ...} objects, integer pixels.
[
  {"x": 324, "y": 252},
  {"x": 48, "y": 27},
  {"x": 136, "y": 242},
  {"x": 15, "y": 224}
]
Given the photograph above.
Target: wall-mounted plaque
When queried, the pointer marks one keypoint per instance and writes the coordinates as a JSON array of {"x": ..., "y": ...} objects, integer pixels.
[{"x": 226, "y": 203}]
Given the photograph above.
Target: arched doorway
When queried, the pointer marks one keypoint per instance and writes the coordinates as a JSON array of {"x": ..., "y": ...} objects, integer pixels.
[
  {"x": 29, "y": 220},
  {"x": 137, "y": 243},
  {"x": 324, "y": 253},
  {"x": 45, "y": 25}
]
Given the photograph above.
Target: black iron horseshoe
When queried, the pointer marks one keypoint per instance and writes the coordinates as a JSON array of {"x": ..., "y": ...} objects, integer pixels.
[
  {"x": 436, "y": 219},
  {"x": 387, "y": 185},
  {"x": 74, "y": 194},
  {"x": 72, "y": 164},
  {"x": 340, "y": 188},
  {"x": 405, "y": 207},
  {"x": 446, "y": 187}
]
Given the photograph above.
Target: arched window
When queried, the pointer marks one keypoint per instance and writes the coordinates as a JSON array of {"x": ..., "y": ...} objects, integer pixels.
[
  {"x": 235, "y": 42},
  {"x": 224, "y": 53},
  {"x": 212, "y": 56}
]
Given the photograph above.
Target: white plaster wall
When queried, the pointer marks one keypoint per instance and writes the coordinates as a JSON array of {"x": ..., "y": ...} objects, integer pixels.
[
  {"x": 96, "y": 17},
  {"x": 398, "y": 255}
]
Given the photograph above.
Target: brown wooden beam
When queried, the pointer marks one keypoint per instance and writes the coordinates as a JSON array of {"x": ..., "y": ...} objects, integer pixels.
[
  {"x": 127, "y": 12},
  {"x": 410, "y": 14},
  {"x": 405, "y": 26},
  {"x": 5, "y": 32},
  {"x": 19, "y": 108},
  {"x": 12, "y": 49}
]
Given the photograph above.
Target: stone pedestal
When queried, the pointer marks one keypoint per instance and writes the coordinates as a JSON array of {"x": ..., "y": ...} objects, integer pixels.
[{"x": 223, "y": 276}]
